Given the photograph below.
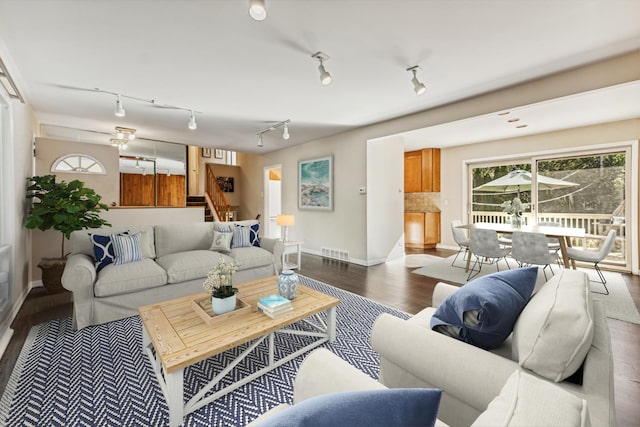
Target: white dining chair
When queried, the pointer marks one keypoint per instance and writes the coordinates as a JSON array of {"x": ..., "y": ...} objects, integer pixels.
[
  {"x": 595, "y": 257},
  {"x": 484, "y": 245},
  {"x": 461, "y": 240},
  {"x": 532, "y": 249}
]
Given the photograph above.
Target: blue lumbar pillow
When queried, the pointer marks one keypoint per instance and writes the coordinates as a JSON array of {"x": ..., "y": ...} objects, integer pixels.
[
  {"x": 483, "y": 311},
  {"x": 393, "y": 407}
]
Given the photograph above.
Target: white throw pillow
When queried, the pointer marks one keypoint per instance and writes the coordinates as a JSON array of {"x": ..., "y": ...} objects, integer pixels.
[
  {"x": 221, "y": 241},
  {"x": 529, "y": 401},
  {"x": 555, "y": 329}
]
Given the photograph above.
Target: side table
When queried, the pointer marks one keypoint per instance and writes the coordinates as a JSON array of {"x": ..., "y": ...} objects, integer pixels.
[{"x": 291, "y": 247}]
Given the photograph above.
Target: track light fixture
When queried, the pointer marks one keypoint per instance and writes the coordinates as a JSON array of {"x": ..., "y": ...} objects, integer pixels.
[
  {"x": 418, "y": 87},
  {"x": 119, "y": 111},
  {"x": 325, "y": 77},
  {"x": 257, "y": 10},
  {"x": 125, "y": 133},
  {"x": 285, "y": 133},
  {"x": 137, "y": 164},
  {"x": 192, "y": 122}
]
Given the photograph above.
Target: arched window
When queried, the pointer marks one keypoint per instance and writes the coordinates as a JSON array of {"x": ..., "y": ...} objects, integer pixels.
[{"x": 78, "y": 163}]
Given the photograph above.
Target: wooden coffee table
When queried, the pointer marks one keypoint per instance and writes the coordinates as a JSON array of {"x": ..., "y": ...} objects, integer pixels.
[{"x": 175, "y": 336}]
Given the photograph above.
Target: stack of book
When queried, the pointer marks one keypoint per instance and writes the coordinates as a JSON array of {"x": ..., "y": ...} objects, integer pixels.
[{"x": 274, "y": 306}]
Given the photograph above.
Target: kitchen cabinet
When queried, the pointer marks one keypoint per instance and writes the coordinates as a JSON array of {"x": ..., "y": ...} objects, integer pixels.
[
  {"x": 421, "y": 229},
  {"x": 422, "y": 171}
]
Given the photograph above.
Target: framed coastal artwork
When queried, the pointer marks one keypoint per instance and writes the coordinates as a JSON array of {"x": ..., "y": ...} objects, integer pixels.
[{"x": 315, "y": 184}]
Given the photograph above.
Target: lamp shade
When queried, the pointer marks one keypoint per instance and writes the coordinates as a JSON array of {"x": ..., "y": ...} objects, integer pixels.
[{"x": 286, "y": 220}]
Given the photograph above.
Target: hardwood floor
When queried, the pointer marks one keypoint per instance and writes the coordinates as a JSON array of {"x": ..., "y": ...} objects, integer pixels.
[{"x": 392, "y": 284}]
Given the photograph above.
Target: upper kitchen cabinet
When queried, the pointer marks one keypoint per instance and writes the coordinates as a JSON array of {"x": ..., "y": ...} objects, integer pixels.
[{"x": 422, "y": 171}]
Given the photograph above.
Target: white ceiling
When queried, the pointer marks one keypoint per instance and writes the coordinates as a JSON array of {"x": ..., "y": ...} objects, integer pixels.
[{"x": 208, "y": 55}]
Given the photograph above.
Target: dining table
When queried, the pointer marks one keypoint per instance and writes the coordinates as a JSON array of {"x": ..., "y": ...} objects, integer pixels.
[{"x": 563, "y": 234}]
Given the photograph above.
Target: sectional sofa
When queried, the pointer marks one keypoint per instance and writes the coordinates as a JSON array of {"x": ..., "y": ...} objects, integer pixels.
[{"x": 175, "y": 260}]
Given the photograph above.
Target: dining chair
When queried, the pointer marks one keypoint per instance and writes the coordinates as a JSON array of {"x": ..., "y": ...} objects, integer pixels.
[
  {"x": 595, "y": 257},
  {"x": 553, "y": 242},
  {"x": 532, "y": 249},
  {"x": 461, "y": 239},
  {"x": 484, "y": 245}
]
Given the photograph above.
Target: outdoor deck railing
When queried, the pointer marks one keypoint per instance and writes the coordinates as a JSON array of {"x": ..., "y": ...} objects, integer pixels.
[{"x": 596, "y": 227}]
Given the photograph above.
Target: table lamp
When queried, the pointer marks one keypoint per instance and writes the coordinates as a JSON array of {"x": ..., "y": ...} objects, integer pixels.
[{"x": 285, "y": 220}]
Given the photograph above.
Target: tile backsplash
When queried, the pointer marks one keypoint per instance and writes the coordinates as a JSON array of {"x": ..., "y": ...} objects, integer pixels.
[{"x": 422, "y": 202}]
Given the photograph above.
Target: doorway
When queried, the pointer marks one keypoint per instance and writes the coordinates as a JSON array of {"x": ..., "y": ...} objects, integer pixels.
[{"x": 272, "y": 200}]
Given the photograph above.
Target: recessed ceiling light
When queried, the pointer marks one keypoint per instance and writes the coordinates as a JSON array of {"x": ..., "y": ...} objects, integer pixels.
[
  {"x": 504, "y": 113},
  {"x": 512, "y": 120},
  {"x": 521, "y": 126}
]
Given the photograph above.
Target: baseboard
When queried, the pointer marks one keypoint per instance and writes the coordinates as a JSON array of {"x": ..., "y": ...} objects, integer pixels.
[
  {"x": 453, "y": 248},
  {"x": 356, "y": 261},
  {"x": 5, "y": 330}
]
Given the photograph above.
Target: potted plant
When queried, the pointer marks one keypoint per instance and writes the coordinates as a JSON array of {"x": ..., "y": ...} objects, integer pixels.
[
  {"x": 65, "y": 207},
  {"x": 220, "y": 284}
]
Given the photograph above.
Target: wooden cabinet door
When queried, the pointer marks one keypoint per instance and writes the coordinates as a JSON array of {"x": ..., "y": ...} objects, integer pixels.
[
  {"x": 414, "y": 229},
  {"x": 413, "y": 172},
  {"x": 431, "y": 170},
  {"x": 431, "y": 229}
]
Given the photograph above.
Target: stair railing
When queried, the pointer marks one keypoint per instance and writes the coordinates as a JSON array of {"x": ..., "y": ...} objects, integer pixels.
[{"x": 215, "y": 193}]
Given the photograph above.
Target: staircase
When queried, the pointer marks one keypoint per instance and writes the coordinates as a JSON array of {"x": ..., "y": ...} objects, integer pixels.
[{"x": 200, "y": 201}]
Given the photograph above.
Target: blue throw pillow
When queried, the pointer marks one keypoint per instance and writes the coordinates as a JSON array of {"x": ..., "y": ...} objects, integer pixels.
[
  {"x": 254, "y": 232},
  {"x": 102, "y": 250},
  {"x": 492, "y": 304},
  {"x": 393, "y": 407}
]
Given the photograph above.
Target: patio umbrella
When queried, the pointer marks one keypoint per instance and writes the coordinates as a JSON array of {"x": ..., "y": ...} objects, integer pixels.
[{"x": 520, "y": 180}]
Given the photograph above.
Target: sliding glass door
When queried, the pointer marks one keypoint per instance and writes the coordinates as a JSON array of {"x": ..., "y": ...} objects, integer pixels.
[
  {"x": 597, "y": 199},
  {"x": 587, "y": 190}
]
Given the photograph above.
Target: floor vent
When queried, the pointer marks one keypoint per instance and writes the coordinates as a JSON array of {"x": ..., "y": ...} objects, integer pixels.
[{"x": 338, "y": 254}]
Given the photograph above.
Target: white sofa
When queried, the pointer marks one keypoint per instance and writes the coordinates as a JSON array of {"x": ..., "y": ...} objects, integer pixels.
[
  {"x": 560, "y": 328},
  {"x": 176, "y": 261},
  {"x": 522, "y": 399}
]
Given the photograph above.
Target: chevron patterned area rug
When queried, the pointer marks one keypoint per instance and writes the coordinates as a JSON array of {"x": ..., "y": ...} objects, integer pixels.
[{"x": 98, "y": 376}]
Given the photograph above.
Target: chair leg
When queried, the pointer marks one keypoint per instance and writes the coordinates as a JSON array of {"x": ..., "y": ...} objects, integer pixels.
[
  {"x": 602, "y": 280},
  {"x": 478, "y": 259},
  {"x": 464, "y": 257}
]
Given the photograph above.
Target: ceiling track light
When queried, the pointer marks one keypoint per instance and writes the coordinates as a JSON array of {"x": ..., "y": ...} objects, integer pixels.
[
  {"x": 325, "y": 77},
  {"x": 285, "y": 133},
  {"x": 257, "y": 10},
  {"x": 119, "y": 111},
  {"x": 418, "y": 87},
  {"x": 192, "y": 122}
]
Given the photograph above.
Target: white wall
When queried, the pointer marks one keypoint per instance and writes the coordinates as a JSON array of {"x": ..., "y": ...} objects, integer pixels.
[{"x": 385, "y": 199}]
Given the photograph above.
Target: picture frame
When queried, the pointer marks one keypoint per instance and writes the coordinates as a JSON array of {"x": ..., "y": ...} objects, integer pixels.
[
  {"x": 226, "y": 183},
  {"x": 315, "y": 184},
  {"x": 206, "y": 152},
  {"x": 219, "y": 153}
]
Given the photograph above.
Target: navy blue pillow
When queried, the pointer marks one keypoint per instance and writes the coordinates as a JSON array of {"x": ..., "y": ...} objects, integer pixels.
[
  {"x": 102, "y": 250},
  {"x": 495, "y": 301},
  {"x": 254, "y": 238},
  {"x": 392, "y": 407}
]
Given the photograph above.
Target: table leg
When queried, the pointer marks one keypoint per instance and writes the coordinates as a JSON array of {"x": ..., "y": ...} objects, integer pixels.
[
  {"x": 331, "y": 324},
  {"x": 466, "y": 268},
  {"x": 564, "y": 243},
  {"x": 175, "y": 397}
]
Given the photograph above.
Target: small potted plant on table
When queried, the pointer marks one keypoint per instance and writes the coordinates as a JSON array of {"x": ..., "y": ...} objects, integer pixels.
[{"x": 219, "y": 283}]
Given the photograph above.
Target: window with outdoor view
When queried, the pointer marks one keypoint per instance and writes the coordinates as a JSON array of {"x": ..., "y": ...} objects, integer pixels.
[{"x": 581, "y": 191}]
